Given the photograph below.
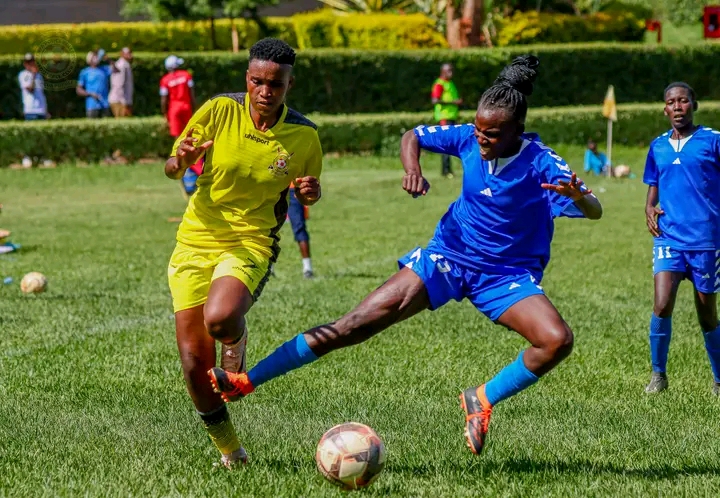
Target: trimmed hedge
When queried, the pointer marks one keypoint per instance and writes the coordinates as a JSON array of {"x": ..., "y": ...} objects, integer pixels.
[
  {"x": 321, "y": 29},
  {"x": 327, "y": 29},
  {"x": 348, "y": 81},
  {"x": 524, "y": 28},
  {"x": 91, "y": 140}
]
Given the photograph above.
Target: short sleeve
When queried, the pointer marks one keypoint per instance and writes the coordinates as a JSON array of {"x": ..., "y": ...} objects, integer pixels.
[
  {"x": 553, "y": 168},
  {"x": 203, "y": 122},
  {"x": 82, "y": 78},
  {"x": 650, "y": 176},
  {"x": 26, "y": 79},
  {"x": 107, "y": 69},
  {"x": 444, "y": 139},
  {"x": 313, "y": 161},
  {"x": 437, "y": 91}
]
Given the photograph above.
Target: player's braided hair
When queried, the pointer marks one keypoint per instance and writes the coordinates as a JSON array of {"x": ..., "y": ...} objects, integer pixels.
[
  {"x": 681, "y": 84},
  {"x": 512, "y": 85},
  {"x": 273, "y": 50}
]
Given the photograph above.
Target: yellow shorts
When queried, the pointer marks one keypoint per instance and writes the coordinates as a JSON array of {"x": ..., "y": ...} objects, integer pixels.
[{"x": 191, "y": 272}]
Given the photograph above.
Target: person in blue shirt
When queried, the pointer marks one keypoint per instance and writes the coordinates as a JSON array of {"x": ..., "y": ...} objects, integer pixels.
[
  {"x": 94, "y": 84},
  {"x": 682, "y": 172},
  {"x": 491, "y": 247},
  {"x": 595, "y": 160}
]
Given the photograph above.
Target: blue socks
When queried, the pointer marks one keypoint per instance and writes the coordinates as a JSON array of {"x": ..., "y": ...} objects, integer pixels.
[
  {"x": 509, "y": 381},
  {"x": 660, "y": 332},
  {"x": 712, "y": 346},
  {"x": 291, "y": 355}
]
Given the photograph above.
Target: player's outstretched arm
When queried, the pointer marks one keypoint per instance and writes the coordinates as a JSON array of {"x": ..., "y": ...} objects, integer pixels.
[
  {"x": 413, "y": 182},
  {"x": 187, "y": 154},
  {"x": 582, "y": 197}
]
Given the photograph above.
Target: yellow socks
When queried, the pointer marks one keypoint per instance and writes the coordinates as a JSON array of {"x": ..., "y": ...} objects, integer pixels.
[{"x": 221, "y": 431}]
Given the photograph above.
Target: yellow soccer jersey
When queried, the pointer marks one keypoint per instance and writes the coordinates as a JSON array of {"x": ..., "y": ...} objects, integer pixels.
[{"x": 241, "y": 197}]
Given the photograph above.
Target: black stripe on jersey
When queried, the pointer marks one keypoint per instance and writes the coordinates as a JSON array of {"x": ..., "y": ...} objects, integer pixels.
[
  {"x": 238, "y": 97},
  {"x": 294, "y": 117},
  {"x": 281, "y": 210}
]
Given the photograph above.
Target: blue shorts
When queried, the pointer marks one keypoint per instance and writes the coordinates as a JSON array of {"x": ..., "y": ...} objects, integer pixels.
[
  {"x": 189, "y": 181},
  {"x": 492, "y": 294},
  {"x": 296, "y": 213},
  {"x": 702, "y": 268}
]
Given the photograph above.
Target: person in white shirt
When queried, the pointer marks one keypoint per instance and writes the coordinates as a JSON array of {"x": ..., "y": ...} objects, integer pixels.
[
  {"x": 121, "y": 85},
  {"x": 32, "y": 87}
]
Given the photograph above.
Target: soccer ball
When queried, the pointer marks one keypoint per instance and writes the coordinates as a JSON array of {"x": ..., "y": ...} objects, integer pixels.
[
  {"x": 33, "y": 282},
  {"x": 350, "y": 455}
]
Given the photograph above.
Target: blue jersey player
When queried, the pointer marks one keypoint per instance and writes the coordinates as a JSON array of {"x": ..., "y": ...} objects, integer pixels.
[
  {"x": 683, "y": 215},
  {"x": 491, "y": 247}
]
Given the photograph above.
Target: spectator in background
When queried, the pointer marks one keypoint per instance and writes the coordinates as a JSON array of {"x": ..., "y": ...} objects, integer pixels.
[
  {"x": 93, "y": 84},
  {"x": 447, "y": 101},
  {"x": 121, "y": 86},
  {"x": 32, "y": 87},
  {"x": 595, "y": 161},
  {"x": 177, "y": 103},
  {"x": 177, "y": 97}
]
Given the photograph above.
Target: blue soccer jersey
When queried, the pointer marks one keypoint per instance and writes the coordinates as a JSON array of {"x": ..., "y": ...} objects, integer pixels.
[
  {"x": 502, "y": 223},
  {"x": 687, "y": 175}
]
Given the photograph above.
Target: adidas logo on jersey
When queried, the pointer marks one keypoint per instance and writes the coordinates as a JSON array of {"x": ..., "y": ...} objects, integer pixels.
[
  {"x": 677, "y": 161},
  {"x": 707, "y": 275},
  {"x": 486, "y": 192},
  {"x": 514, "y": 285}
]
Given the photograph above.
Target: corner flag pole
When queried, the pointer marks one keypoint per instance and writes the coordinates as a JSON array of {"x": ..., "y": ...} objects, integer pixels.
[{"x": 610, "y": 112}]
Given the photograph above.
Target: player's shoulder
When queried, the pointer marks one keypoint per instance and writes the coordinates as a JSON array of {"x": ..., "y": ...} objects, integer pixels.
[
  {"x": 708, "y": 133},
  {"x": 539, "y": 152},
  {"x": 296, "y": 118},
  {"x": 664, "y": 136},
  {"x": 224, "y": 100},
  {"x": 463, "y": 130}
]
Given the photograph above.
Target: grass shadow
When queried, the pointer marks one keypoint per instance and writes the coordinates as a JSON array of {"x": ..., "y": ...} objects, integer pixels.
[{"x": 527, "y": 466}]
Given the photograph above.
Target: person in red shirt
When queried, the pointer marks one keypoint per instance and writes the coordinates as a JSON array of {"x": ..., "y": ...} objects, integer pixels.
[
  {"x": 177, "y": 103},
  {"x": 177, "y": 96}
]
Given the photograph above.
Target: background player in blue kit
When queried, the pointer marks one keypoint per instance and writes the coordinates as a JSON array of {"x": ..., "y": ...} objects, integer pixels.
[
  {"x": 491, "y": 247},
  {"x": 683, "y": 175}
]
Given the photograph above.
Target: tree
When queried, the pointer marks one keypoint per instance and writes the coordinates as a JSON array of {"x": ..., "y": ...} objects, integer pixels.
[{"x": 196, "y": 10}]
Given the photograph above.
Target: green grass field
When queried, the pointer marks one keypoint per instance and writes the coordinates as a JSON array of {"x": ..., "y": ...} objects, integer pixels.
[{"x": 93, "y": 401}]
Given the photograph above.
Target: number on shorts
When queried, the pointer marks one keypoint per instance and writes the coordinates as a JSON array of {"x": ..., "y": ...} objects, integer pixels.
[{"x": 665, "y": 255}]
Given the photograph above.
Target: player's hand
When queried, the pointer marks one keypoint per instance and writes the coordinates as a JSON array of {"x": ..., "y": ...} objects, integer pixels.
[
  {"x": 570, "y": 189},
  {"x": 189, "y": 152},
  {"x": 415, "y": 185},
  {"x": 308, "y": 187},
  {"x": 651, "y": 216}
]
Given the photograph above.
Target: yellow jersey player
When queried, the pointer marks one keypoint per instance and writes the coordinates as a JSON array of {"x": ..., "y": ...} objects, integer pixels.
[{"x": 254, "y": 146}]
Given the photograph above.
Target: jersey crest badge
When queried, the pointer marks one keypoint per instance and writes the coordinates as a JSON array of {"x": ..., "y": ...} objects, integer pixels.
[{"x": 279, "y": 167}]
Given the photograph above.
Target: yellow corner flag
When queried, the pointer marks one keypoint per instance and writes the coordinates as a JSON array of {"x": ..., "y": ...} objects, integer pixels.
[{"x": 609, "y": 107}]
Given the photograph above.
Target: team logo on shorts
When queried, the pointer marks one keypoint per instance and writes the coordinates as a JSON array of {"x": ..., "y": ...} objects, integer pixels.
[{"x": 279, "y": 167}]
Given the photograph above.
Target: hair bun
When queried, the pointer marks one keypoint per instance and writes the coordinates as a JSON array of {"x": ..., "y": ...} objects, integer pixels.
[{"x": 520, "y": 74}]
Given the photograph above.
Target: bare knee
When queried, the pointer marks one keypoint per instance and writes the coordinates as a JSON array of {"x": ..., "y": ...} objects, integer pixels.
[
  {"x": 558, "y": 342},
  {"x": 223, "y": 323},
  {"x": 664, "y": 301},
  {"x": 663, "y": 307}
]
